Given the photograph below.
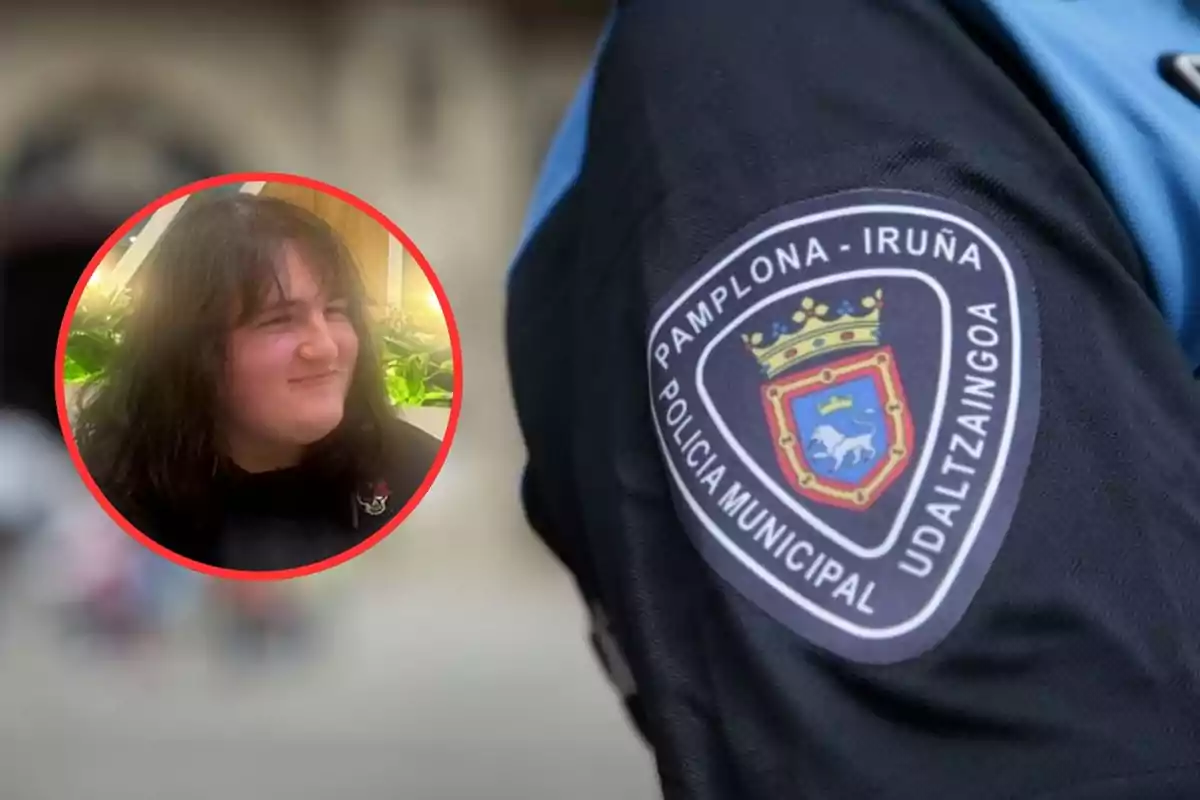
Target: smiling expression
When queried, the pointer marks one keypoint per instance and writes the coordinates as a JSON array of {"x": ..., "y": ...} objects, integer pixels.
[{"x": 288, "y": 369}]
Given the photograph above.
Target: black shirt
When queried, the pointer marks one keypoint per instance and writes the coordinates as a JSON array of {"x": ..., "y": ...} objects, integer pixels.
[
  {"x": 1070, "y": 663},
  {"x": 293, "y": 517}
]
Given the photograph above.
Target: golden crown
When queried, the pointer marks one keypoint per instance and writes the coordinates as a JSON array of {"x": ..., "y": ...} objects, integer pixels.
[
  {"x": 838, "y": 402},
  {"x": 818, "y": 333}
]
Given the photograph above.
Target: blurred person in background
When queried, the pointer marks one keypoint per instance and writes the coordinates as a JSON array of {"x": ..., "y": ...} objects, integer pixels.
[
  {"x": 68, "y": 182},
  {"x": 72, "y": 178},
  {"x": 254, "y": 620},
  {"x": 39, "y": 490},
  {"x": 722, "y": 281},
  {"x": 243, "y": 423}
]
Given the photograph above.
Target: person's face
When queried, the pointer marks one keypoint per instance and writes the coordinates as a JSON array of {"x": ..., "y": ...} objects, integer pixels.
[{"x": 288, "y": 369}]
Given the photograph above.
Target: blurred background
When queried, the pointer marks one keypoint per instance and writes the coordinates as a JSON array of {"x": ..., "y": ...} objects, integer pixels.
[{"x": 451, "y": 661}]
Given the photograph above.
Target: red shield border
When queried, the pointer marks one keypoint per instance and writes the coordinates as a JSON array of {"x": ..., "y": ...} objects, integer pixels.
[{"x": 879, "y": 364}]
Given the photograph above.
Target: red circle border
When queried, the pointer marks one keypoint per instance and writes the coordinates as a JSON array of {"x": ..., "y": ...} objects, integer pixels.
[{"x": 455, "y": 404}]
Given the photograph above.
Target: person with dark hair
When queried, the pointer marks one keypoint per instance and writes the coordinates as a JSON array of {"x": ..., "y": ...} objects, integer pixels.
[{"x": 244, "y": 421}]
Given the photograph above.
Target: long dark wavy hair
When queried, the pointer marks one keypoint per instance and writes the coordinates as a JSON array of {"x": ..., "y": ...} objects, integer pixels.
[{"x": 147, "y": 429}]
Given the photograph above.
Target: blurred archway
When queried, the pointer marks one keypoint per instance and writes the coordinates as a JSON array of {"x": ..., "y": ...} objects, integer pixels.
[{"x": 81, "y": 167}]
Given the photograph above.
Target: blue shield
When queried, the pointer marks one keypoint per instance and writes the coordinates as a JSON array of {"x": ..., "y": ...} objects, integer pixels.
[{"x": 842, "y": 430}]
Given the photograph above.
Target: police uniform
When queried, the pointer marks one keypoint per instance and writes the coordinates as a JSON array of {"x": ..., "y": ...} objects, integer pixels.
[{"x": 853, "y": 345}]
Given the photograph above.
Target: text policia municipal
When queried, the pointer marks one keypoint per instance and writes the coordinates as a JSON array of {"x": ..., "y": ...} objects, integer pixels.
[{"x": 974, "y": 403}]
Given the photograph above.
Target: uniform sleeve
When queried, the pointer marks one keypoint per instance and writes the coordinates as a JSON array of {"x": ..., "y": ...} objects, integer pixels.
[{"x": 881, "y": 457}]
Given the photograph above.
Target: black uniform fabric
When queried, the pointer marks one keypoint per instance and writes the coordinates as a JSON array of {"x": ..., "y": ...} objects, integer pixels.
[
  {"x": 291, "y": 517},
  {"x": 1075, "y": 671}
]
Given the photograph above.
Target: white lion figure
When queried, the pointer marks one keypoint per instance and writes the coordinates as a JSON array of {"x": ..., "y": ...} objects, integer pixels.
[{"x": 839, "y": 446}]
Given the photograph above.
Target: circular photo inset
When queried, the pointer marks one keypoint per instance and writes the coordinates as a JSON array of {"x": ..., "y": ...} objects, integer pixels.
[{"x": 259, "y": 376}]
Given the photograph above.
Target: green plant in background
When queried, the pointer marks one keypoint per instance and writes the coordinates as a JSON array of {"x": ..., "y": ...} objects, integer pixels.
[
  {"x": 418, "y": 368},
  {"x": 95, "y": 334}
]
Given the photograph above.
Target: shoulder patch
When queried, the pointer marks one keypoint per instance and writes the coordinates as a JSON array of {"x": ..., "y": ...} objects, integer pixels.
[{"x": 846, "y": 396}]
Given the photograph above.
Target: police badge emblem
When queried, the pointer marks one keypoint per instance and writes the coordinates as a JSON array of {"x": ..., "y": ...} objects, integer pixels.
[
  {"x": 846, "y": 397},
  {"x": 841, "y": 429}
]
